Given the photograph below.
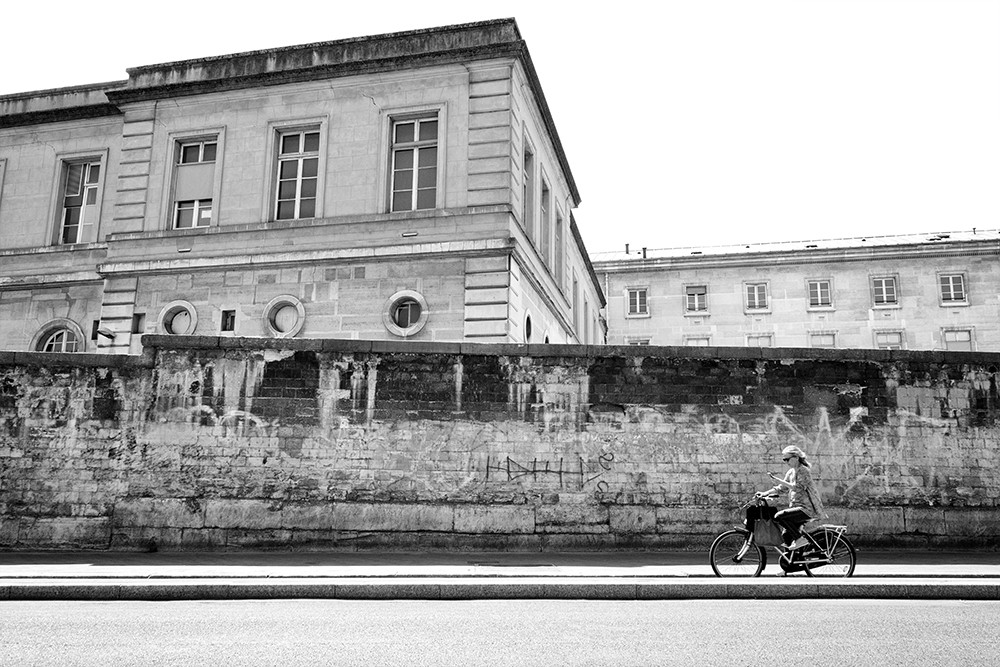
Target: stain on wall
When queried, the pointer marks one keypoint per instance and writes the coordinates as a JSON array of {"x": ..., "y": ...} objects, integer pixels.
[{"x": 233, "y": 443}]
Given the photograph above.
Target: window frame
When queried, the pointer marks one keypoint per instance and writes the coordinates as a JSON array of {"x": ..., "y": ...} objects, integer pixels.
[
  {"x": 767, "y": 296},
  {"x": 688, "y": 339},
  {"x": 275, "y": 130},
  {"x": 820, "y": 306},
  {"x": 812, "y": 334},
  {"x": 956, "y": 329},
  {"x": 52, "y": 327},
  {"x": 686, "y": 300},
  {"x": 886, "y": 332},
  {"x": 56, "y": 208},
  {"x": 638, "y": 341},
  {"x": 176, "y": 141},
  {"x": 639, "y": 314},
  {"x": 895, "y": 283},
  {"x": 387, "y": 119},
  {"x": 389, "y": 311},
  {"x": 950, "y": 303},
  {"x": 769, "y": 336},
  {"x": 529, "y": 186}
]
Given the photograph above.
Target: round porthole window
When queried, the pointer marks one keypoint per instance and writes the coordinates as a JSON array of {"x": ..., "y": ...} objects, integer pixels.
[
  {"x": 59, "y": 336},
  {"x": 178, "y": 318},
  {"x": 284, "y": 316},
  {"x": 405, "y": 313}
]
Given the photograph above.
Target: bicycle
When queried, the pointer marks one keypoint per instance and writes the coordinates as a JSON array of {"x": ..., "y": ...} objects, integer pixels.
[{"x": 827, "y": 552}]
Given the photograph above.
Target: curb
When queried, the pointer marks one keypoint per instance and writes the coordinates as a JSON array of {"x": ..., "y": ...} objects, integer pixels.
[{"x": 195, "y": 589}]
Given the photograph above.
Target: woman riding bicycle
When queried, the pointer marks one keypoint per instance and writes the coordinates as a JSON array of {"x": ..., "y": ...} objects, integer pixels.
[{"x": 804, "y": 503}]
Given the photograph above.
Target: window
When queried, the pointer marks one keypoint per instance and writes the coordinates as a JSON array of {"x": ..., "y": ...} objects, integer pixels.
[
  {"x": 696, "y": 299},
  {"x": 228, "y": 320},
  {"x": 60, "y": 340},
  {"x": 138, "y": 323},
  {"x": 80, "y": 189},
  {"x": 576, "y": 305},
  {"x": 756, "y": 294},
  {"x": 889, "y": 340},
  {"x": 405, "y": 313},
  {"x": 194, "y": 181},
  {"x": 884, "y": 291},
  {"x": 637, "y": 302},
  {"x": 697, "y": 341},
  {"x": 822, "y": 340},
  {"x": 958, "y": 339},
  {"x": 298, "y": 174},
  {"x": 638, "y": 341},
  {"x": 952, "y": 288},
  {"x": 760, "y": 340},
  {"x": 283, "y": 316},
  {"x": 820, "y": 295},
  {"x": 414, "y": 164},
  {"x": 559, "y": 250},
  {"x": 545, "y": 231},
  {"x": 178, "y": 318},
  {"x": 528, "y": 192}
]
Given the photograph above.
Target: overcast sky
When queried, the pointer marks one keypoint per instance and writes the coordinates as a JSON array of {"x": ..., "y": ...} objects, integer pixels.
[{"x": 686, "y": 122}]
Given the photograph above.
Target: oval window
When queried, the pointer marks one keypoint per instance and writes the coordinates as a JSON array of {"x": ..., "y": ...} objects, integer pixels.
[
  {"x": 178, "y": 318},
  {"x": 284, "y": 316},
  {"x": 180, "y": 323},
  {"x": 405, "y": 313}
]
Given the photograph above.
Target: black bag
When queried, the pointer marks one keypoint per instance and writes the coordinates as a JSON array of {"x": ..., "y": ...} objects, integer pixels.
[{"x": 766, "y": 533}]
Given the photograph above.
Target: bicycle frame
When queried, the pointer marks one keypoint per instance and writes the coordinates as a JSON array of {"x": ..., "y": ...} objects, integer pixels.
[{"x": 805, "y": 556}]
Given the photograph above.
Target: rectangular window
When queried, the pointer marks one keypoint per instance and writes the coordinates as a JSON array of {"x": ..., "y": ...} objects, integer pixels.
[
  {"x": 78, "y": 216},
  {"x": 194, "y": 180},
  {"x": 884, "y": 291},
  {"x": 576, "y": 306},
  {"x": 638, "y": 341},
  {"x": 959, "y": 340},
  {"x": 298, "y": 174},
  {"x": 228, "y": 320},
  {"x": 697, "y": 341},
  {"x": 528, "y": 192},
  {"x": 637, "y": 302},
  {"x": 822, "y": 340},
  {"x": 586, "y": 322},
  {"x": 559, "y": 250},
  {"x": 952, "y": 288},
  {"x": 543, "y": 219},
  {"x": 414, "y": 164},
  {"x": 756, "y": 294},
  {"x": 696, "y": 298},
  {"x": 820, "y": 294},
  {"x": 759, "y": 340},
  {"x": 138, "y": 323},
  {"x": 889, "y": 340}
]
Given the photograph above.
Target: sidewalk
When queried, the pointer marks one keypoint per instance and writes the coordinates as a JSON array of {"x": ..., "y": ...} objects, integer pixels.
[{"x": 467, "y": 575}]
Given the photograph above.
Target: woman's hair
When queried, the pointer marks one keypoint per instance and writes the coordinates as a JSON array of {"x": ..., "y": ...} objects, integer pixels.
[{"x": 792, "y": 450}]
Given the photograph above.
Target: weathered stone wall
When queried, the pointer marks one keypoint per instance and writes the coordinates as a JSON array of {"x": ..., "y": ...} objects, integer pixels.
[{"x": 230, "y": 443}]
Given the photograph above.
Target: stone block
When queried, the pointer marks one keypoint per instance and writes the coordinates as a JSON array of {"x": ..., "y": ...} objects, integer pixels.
[
  {"x": 972, "y": 522},
  {"x": 629, "y": 519},
  {"x": 916, "y": 520},
  {"x": 79, "y": 532},
  {"x": 158, "y": 512},
  {"x": 396, "y": 517},
  {"x": 571, "y": 518},
  {"x": 494, "y": 519},
  {"x": 8, "y": 532},
  {"x": 242, "y": 514}
]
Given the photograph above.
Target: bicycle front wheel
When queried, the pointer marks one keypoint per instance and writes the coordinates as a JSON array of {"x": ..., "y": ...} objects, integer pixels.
[
  {"x": 726, "y": 560},
  {"x": 838, "y": 556}
]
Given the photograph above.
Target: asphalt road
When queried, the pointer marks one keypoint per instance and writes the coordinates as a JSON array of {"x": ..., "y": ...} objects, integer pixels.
[{"x": 500, "y": 632}]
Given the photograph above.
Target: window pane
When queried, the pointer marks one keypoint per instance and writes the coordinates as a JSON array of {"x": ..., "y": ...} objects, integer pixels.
[
  {"x": 74, "y": 179},
  {"x": 402, "y": 180},
  {"x": 307, "y": 208},
  {"x": 309, "y": 167},
  {"x": 312, "y": 142},
  {"x": 286, "y": 210},
  {"x": 308, "y": 187},
  {"x": 94, "y": 174},
  {"x": 401, "y": 201},
  {"x": 428, "y": 130},
  {"x": 185, "y": 214},
  {"x": 426, "y": 199},
  {"x": 288, "y": 169},
  {"x": 285, "y": 319},
  {"x": 91, "y": 196},
  {"x": 427, "y": 177},
  {"x": 204, "y": 213},
  {"x": 190, "y": 153},
  {"x": 289, "y": 144},
  {"x": 286, "y": 190},
  {"x": 428, "y": 157},
  {"x": 404, "y": 132},
  {"x": 404, "y": 159},
  {"x": 209, "y": 153}
]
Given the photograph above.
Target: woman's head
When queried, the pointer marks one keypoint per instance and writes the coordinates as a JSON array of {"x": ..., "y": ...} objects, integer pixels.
[{"x": 791, "y": 454}]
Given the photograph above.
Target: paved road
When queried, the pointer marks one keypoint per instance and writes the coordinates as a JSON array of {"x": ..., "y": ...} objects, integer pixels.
[{"x": 500, "y": 632}]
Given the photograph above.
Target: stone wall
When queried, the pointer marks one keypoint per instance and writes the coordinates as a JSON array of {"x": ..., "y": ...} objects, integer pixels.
[{"x": 256, "y": 443}]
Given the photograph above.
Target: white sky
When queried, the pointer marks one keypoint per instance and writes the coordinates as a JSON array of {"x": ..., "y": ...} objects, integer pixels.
[{"x": 686, "y": 122}]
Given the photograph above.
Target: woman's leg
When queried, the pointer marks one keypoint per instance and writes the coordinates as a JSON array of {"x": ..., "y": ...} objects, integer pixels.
[{"x": 791, "y": 521}]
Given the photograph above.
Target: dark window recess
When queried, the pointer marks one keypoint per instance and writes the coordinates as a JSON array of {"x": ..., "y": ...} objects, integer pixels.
[
  {"x": 229, "y": 320},
  {"x": 138, "y": 323},
  {"x": 94, "y": 328}
]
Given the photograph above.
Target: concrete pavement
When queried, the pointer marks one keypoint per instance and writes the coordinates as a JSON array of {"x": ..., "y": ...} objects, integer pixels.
[{"x": 466, "y": 575}]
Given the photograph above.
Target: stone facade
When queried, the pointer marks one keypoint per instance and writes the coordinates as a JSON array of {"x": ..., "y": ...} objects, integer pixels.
[
  {"x": 919, "y": 292},
  {"x": 264, "y": 194},
  {"x": 248, "y": 443}
]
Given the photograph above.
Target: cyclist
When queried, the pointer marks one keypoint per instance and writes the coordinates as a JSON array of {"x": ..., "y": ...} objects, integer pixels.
[{"x": 804, "y": 503}]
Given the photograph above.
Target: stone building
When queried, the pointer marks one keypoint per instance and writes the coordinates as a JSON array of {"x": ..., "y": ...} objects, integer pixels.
[
  {"x": 401, "y": 186},
  {"x": 921, "y": 292}
]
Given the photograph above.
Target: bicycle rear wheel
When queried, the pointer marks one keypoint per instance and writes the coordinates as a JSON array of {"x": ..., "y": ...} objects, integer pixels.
[
  {"x": 725, "y": 550},
  {"x": 842, "y": 555}
]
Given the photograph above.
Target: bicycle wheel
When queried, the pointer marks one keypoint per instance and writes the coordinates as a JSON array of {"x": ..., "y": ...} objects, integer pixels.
[
  {"x": 842, "y": 556},
  {"x": 724, "y": 552}
]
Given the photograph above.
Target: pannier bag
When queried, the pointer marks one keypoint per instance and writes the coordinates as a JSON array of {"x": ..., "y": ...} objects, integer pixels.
[{"x": 766, "y": 533}]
